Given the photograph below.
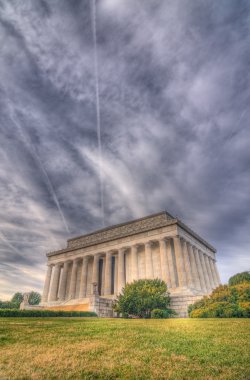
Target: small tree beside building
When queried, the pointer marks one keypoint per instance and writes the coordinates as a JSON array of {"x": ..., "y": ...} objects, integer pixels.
[{"x": 144, "y": 299}]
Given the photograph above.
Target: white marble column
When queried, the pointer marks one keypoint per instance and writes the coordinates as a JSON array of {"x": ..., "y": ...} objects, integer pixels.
[
  {"x": 84, "y": 276},
  {"x": 134, "y": 262},
  {"x": 95, "y": 274},
  {"x": 72, "y": 287},
  {"x": 216, "y": 273},
  {"x": 47, "y": 283},
  {"x": 121, "y": 269},
  {"x": 204, "y": 269},
  {"x": 171, "y": 265},
  {"x": 148, "y": 260},
  {"x": 62, "y": 289},
  {"x": 182, "y": 278},
  {"x": 200, "y": 271},
  {"x": 210, "y": 276},
  {"x": 55, "y": 282},
  {"x": 194, "y": 268},
  {"x": 165, "y": 275},
  {"x": 108, "y": 273},
  {"x": 210, "y": 260},
  {"x": 187, "y": 264}
]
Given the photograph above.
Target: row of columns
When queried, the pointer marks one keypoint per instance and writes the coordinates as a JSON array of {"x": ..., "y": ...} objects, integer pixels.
[{"x": 183, "y": 265}]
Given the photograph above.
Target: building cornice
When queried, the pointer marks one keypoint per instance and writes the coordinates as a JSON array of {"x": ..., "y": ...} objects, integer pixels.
[{"x": 126, "y": 229}]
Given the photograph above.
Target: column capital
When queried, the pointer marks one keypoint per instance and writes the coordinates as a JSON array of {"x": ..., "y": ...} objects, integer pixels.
[
  {"x": 110, "y": 252},
  {"x": 67, "y": 261},
  {"x": 122, "y": 249},
  {"x": 136, "y": 245},
  {"x": 58, "y": 265},
  {"x": 148, "y": 243},
  {"x": 176, "y": 236},
  {"x": 97, "y": 255},
  {"x": 76, "y": 260}
]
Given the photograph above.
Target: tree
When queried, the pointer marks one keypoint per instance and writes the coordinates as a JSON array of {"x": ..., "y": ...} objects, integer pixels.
[
  {"x": 17, "y": 299},
  {"x": 141, "y": 297},
  {"x": 34, "y": 298},
  {"x": 239, "y": 278}
]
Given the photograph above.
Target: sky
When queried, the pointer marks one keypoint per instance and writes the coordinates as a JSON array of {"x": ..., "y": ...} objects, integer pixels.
[{"x": 174, "y": 93}]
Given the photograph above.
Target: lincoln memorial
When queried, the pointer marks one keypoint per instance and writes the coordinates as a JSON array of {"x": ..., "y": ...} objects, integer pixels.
[{"x": 93, "y": 268}]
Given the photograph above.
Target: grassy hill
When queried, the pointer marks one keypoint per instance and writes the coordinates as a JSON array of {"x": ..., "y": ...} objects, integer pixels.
[{"x": 92, "y": 348}]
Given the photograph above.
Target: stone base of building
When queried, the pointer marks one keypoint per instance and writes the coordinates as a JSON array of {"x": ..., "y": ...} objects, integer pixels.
[
  {"x": 180, "y": 303},
  {"x": 103, "y": 306}
]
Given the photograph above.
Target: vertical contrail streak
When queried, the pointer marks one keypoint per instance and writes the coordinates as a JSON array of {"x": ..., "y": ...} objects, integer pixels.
[
  {"x": 97, "y": 95},
  {"x": 42, "y": 168}
]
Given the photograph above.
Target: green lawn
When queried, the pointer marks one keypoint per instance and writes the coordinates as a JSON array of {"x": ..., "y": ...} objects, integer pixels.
[{"x": 92, "y": 348}]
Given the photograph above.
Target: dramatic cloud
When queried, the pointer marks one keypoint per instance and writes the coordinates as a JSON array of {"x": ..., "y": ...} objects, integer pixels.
[{"x": 174, "y": 107}]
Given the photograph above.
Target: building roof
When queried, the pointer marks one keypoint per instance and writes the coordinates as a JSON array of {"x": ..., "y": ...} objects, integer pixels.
[{"x": 129, "y": 228}]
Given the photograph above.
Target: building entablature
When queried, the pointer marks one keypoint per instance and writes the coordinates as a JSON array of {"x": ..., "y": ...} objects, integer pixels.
[{"x": 161, "y": 225}]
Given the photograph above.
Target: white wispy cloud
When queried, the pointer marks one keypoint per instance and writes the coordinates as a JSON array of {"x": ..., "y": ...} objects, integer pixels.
[{"x": 174, "y": 94}]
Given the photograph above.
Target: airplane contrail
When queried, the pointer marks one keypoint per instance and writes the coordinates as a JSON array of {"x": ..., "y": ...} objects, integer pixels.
[
  {"x": 42, "y": 168},
  {"x": 97, "y": 96},
  {"x": 5, "y": 240}
]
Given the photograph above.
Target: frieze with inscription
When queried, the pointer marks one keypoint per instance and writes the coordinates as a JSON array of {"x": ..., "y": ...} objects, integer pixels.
[{"x": 122, "y": 231}]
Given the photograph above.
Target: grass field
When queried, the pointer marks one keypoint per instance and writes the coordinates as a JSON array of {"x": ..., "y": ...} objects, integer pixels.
[{"x": 92, "y": 348}]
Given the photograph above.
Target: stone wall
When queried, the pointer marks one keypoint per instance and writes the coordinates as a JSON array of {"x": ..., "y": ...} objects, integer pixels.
[
  {"x": 180, "y": 303},
  {"x": 101, "y": 306}
]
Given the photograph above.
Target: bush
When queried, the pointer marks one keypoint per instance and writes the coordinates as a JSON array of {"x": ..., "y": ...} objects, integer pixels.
[
  {"x": 140, "y": 297},
  {"x": 199, "y": 313},
  {"x": 224, "y": 302},
  {"x": 7, "y": 305},
  {"x": 239, "y": 278},
  {"x": 245, "y": 309},
  {"x": 157, "y": 313},
  {"x": 45, "y": 313},
  {"x": 162, "y": 313}
]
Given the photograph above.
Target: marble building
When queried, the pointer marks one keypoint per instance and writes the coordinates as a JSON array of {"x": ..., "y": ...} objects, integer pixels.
[{"x": 93, "y": 268}]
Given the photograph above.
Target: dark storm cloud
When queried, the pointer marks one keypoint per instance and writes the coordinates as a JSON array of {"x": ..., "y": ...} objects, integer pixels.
[{"x": 174, "y": 95}]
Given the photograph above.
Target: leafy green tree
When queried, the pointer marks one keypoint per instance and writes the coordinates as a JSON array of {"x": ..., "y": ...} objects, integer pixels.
[
  {"x": 141, "y": 297},
  {"x": 34, "y": 298},
  {"x": 17, "y": 299},
  {"x": 239, "y": 278}
]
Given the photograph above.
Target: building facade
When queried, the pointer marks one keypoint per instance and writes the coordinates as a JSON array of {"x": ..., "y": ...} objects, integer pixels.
[{"x": 92, "y": 270}]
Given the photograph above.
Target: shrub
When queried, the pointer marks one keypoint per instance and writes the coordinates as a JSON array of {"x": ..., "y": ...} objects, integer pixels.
[
  {"x": 45, "y": 313},
  {"x": 224, "y": 302},
  {"x": 239, "y": 278},
  {"x": 245, "y": 309},
  {"x": 7, "y": 305},
  {"x": 157, "y": 313},
  {"x": 140, "y": 297},
  {"x": 162, "y": 313},
  {"x": 199, "y": 313}
]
